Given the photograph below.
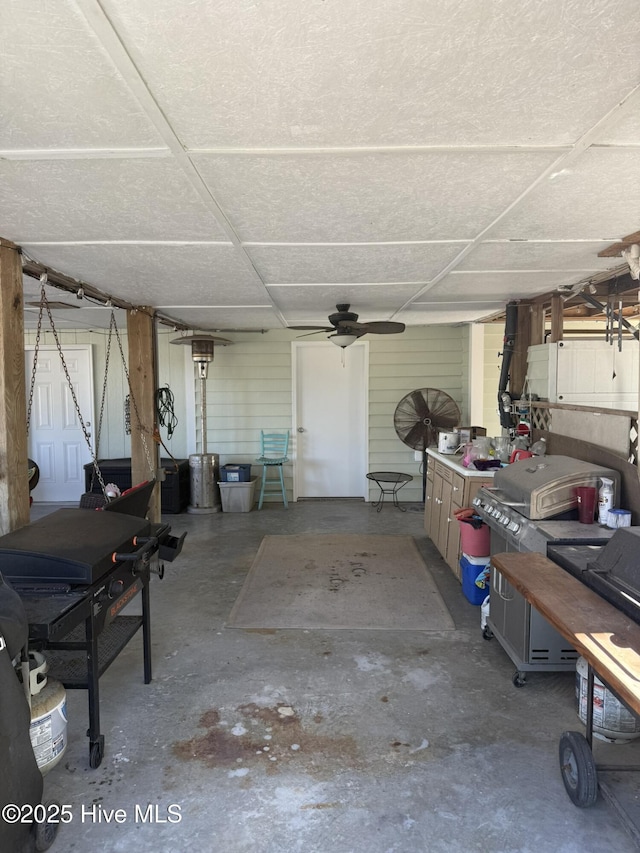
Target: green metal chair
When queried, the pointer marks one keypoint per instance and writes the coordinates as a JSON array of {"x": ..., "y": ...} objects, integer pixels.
[{"x": 273, "y": 454}]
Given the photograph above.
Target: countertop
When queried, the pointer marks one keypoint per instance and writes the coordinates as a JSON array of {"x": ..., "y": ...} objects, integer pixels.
[{"x": 454, "y": 461}]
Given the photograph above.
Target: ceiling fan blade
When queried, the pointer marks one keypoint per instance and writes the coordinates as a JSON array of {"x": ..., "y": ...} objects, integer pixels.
[
  {"x": 317, "y": 332},
  {"x": 309, "y": 328},
  {"x": 384, "y": 327}
]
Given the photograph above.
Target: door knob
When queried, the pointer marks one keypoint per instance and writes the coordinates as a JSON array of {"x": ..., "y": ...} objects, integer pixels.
[{"x": 300, "y": 429}]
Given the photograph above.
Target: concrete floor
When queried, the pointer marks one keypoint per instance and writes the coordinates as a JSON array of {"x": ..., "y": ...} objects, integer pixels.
[{"x": 399, "y": 741}]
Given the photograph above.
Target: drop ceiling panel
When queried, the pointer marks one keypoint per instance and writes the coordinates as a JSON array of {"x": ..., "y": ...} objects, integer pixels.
[
  {"x": 368, "y": 73},
  {"x": 224, "y": 317},
  {"x": 358, "y": 264},
  {"x": 595, "y": 198},
  {"x": 496, "y": 286},
  {"x": 449, "y": 312},
  {"x": 523, "y": 255},
  {"x": 313, "y": 303},
  {"x": 368, "y": 197},
  {"x": 188, "y": 275},
  {"x": 63, "y": 91},
  {"x": 101, "y": 200},
  {"x": 626, "y": 129}
]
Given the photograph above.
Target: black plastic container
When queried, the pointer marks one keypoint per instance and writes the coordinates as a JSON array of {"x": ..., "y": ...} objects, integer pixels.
[{"x": 174, "y": 489}]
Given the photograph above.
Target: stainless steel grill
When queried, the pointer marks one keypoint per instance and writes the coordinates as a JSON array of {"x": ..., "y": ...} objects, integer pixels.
[{"x": 531, "y": 507}]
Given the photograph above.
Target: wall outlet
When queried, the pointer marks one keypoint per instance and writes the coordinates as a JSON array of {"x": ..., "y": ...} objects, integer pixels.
[{"x": 418, "y": 455}]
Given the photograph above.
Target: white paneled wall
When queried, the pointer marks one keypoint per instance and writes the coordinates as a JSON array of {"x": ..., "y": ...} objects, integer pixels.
[
  {"x": 423, "y": 357},
  {"x": 249, "y": 389}
]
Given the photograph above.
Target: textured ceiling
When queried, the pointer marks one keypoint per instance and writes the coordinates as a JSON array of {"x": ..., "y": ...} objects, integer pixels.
[{"x": 247, "y": 165}]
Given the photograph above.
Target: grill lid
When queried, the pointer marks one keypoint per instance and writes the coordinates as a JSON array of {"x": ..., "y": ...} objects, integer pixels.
[
  {"x": 545, "y": 486},
  {"x": 68, "y": 546}
]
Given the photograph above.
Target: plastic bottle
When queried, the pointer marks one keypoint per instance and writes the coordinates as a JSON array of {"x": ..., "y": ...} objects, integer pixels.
[
  {"x": 539, "y": 447},
  {"x": 605, "y": 500}
]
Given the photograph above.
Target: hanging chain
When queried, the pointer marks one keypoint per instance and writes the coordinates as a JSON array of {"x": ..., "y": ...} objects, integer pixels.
[
  {"x": 43, "y": 281},
  {"x": 104, "y": 395},
  {"x": 87, "y": 435},
  {"x": 135, "y": 407}
]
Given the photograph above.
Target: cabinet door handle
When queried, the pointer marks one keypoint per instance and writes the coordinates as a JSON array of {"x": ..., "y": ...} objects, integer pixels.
[{"x": 456, "y": 488}]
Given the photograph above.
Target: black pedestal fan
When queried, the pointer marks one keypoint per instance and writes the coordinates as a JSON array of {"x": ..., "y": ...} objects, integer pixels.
[{"x": 418, "y": 418}]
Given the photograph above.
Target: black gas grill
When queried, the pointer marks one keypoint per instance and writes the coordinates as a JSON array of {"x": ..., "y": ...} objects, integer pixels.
[
  {"x": 76, "y": 570},
  {"x": 612, "y": 570}
]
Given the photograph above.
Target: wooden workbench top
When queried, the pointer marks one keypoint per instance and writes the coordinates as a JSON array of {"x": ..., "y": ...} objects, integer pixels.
[{"x": 602, "y": 634}]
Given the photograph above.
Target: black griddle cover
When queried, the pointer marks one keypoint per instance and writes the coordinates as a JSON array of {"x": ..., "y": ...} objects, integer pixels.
[
  {"x": 73, "y": 546},
  {"x": 20, "y": 780},
  {"x": 620, "y": 558}
]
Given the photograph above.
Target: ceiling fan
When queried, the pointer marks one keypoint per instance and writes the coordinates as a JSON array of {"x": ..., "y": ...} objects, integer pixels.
[{"x": 346, "y": 328}]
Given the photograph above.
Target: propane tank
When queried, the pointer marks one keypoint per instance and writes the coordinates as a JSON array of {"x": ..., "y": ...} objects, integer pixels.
[
  {"x": 48, "y": 729},
  {"x": 605, "y": 500}
]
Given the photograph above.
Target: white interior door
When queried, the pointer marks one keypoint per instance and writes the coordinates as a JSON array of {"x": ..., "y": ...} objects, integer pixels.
[
  {"x": 56, "y": 440},
  {"x": 330, "y": 419}
]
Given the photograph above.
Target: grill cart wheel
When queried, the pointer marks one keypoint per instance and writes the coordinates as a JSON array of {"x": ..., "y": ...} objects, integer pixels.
[
  {"x": 96, "y": 753},
  {"x": 46, "y": 832},
  {"x": 519, "y": 679},
  {"x": 578, "y": 769}
]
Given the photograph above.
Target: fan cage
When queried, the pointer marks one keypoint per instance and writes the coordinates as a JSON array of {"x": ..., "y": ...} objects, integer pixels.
[{"x": 422, "y": 414}]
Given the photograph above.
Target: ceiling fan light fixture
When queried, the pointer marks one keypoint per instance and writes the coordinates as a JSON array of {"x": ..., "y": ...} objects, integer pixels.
[{"x": 342, "y": 339}]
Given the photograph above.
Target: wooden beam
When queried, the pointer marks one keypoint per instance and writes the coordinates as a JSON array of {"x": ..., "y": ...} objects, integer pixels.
[
  {"x": 142, "y": 380},
  {"x": 518, "y": 368},
  {"x": 557, "y": 306},
  {"x": 14, "y": 482},
  {"x": 615, "y": 249},
  {"x": 537, "y": 324}
]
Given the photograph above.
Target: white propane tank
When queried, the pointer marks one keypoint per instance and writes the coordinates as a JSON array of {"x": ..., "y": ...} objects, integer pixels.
[
  {"x": 611, "y": 720},
  {"x": 48, "y": 729}
]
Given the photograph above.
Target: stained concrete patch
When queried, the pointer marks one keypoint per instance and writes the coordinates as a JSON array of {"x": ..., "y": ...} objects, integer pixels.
[{"x": 288, "y": 740}]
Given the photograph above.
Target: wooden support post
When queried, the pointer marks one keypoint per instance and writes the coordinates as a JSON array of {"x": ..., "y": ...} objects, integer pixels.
[
  {"x": 518, "y": 369},
  {"x": 537, "y": 324},
  {"x": 557, "y": 306},
  {"x": 142, "y": 376},
  {"x": 14, "y": 480}
]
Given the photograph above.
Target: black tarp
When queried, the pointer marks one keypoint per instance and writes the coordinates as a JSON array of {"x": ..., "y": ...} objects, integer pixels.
[{"x": 20, "y": 779}]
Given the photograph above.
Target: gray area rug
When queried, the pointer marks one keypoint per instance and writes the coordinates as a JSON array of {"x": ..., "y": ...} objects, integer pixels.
[{"x": 340, "y": 581}]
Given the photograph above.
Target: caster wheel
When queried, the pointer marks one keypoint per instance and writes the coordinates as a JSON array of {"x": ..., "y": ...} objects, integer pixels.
[
  {"x": 96, "y": 753},
  {"x": 518, "y": 679},
  {"x": 46, "y": 832},
  {"x": 578, "y": 769},
  {"x": 487, "y": 633}
]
